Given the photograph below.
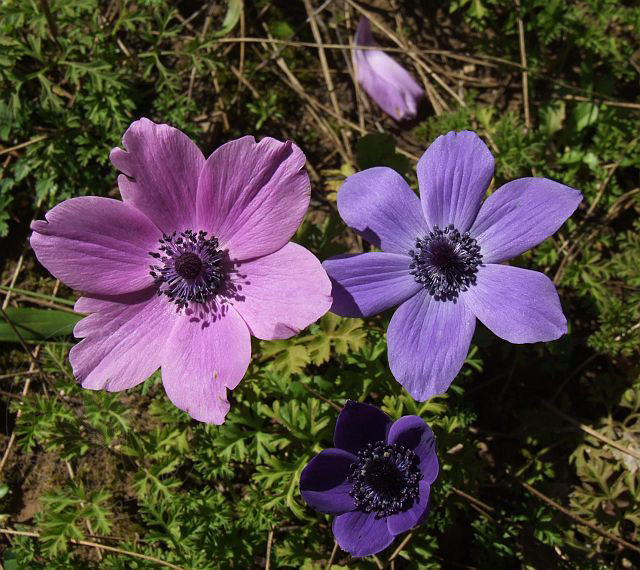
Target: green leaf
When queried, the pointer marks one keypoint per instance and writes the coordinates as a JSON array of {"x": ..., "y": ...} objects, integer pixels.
[
  {"x": 344, "y": 335},
  {"x": 288, "y": 358},
  {"x": 379, "y": 149},
  {"x": 37, "y": 324},
  {"x": 231, "y": 18}
]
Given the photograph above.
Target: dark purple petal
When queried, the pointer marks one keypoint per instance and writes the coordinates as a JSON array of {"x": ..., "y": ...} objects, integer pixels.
[
  {"x": 516, "y": 304},
  {"x": 427, "y": 342},
  {"x": 359, "y": 424},
  {"x": 253, "y": 195},
  {"x": 454, "y": 174},
  {"x": 366, "y": 284},
  {"x": 388, "y": 83},
  {"x": 521, "y": 214},
  {"x": 381, "y": 207},
  {"x": 323, "y": 482},
  {"x": 361, "y": 534},
  {"x": 160, "y": 167},
  {"x": 96, "y": 245},
  {"x": 124, "y": 338},
  {"x": 276, "y": 303},
  {"x": 413, "y": 433},
  {"x": 401, "y": 522},
  {"x": 205, "y": 356}
]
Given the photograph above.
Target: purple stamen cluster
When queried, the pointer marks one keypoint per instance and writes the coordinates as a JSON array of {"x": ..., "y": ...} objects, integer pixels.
[
  {"x": 385, "y": 479},
  {"x": 188, "y": 268},
  {"x": 445, "y": 262}
]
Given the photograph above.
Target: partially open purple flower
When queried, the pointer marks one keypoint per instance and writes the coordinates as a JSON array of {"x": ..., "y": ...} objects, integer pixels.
[
  {"x": 377, "y": 478},
  {"x": 442, "y": 262},
  {"x": 193, "y": 260},
  {"x": 388, "y": 83}
]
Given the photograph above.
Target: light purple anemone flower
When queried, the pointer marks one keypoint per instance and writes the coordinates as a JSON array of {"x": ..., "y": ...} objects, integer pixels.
[
  {"x": 388, "y": 83},
  {"x": 193, "y": 260},
  {"x": 442, "y": 255}
]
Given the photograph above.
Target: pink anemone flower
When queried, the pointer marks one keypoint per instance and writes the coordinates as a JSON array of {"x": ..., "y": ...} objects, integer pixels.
[
  {"x": 194, "y": 260},
  {"x": 389, "y": 84}
]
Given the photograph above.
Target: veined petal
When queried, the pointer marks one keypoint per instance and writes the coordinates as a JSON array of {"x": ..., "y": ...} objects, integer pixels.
[
  {"x": 124, "y": 338},
  {"x": 324, "y": 482},
  {"x": 366, "y": 284},
  {"x": 413, "y": 433},
  {"x": 96, "y": 245},
  {"x": 160, "y": 167},
  {"x": 403, "y": 521},
  {"x": 281, "y": 293},
  {"x": 205, "y": 355},
  {"x": 427, "y": 342},
  {"x": 361, "y": 534},
  {"x": 358, "y": 425},
  {"x": 521, "y": 214},
  {"x": 253, "y": 196},
  {"x": 388, "y": 83},
  {"x": 454, "y": 174},
  {"x": 381, "y": 207},
  {"x": 516, "y": 304}
]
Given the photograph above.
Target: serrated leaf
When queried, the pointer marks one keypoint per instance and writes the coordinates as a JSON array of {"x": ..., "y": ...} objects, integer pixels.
[
  {"x": 37, "y": 324},
  {"x": 343, "y": 335},
  {"x": 288, "y": 358}
]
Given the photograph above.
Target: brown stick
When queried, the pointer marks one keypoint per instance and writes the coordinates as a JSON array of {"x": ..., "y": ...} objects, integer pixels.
[
  {"x": 525, "y": 73},
  {"x": 97, "y": 545}
]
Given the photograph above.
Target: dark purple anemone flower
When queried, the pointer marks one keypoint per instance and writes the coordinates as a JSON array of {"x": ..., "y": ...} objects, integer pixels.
[
  {"x": 388, "y": 83},
  {"x": 377, "y": 478},
  {"x": 194, "y": 260},
  {"x": 442, "y": 255}
]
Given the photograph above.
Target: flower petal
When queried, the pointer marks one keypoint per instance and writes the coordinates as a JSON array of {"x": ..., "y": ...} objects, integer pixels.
[
  {"x": 96, "y": 245},
  {"x": 323, "y": 482},
  {"x": 361, "y": 534},
  {"x": 280, "y": 294},
  {"x": 521, "y": 214},
  {"x": 205, "y": 355},
  {"x": 381, "y": 207},
  {"x": 253, "y": 196},
  {"x": 454, "y": 174},
  {"x": 388, "y": 83},
  {"x": 359, "y": 424},
  {"x": 124, "y": 337},
  {"x": 161, "y": 166},
  {"x": 366, "y": 284},
  {"x": 401, "y": 522},
  {"x": 427, "y": 342},
  {"x": 517, "y": 304},
  {"x": 413, "y": 433}
]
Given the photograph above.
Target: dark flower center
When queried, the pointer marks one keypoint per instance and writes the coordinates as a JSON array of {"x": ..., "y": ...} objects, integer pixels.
[
  {"x": 385, "y": 479},
  {"x": 187, "y": 267},
  {"x": 445, "y": 262}
]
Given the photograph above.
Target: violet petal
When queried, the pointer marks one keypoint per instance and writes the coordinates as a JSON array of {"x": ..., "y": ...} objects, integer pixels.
[
  {"x": 516, "y": 304},
  {"x": 428, "y": 341},
  {"x": 366, "y": 284},
  {"x": 359, "y": 424},
  {"x": 361, "y": 534},
  {"x": 413, "y": 433}
]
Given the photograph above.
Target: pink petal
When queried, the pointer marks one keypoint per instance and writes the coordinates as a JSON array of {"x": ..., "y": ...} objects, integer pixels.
[
  {"x": 454, "y": 174},
  {"x": 516, "y": 304},
  {"x": 123, "y": 339},
  {"x": 253, "y": 196},
  {"x": 204, "y": 357},
  {"x": 388, "y": 83},
  {"x": 161, "y": 167},
  {"x": 520, "y": 214},
  {"x": 96, "y": 245},
  {"x": 280, "y": 294}
]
